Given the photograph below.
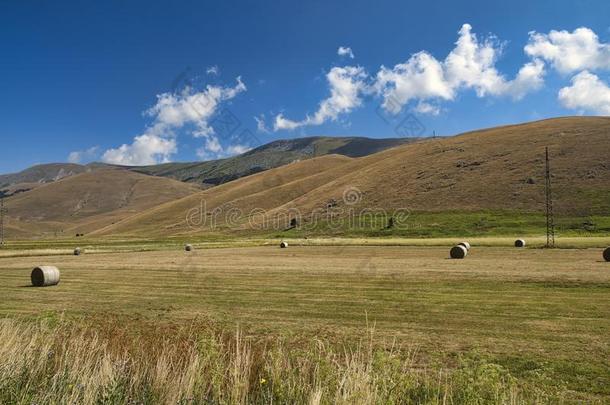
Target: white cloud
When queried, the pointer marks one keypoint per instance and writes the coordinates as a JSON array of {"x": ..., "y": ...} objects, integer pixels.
[
  {"x": 346, "y": 87},
  {"x": 570, "y": 51},
  {"x": 586, "y": 93},
  {"x": 170, "y": 113},
  {"x": 173, "y": 111},
  {"x": 529, "y": 78},
  {"x": 238, "y": 149},
  {"x": 261, "y": 126},
  {"x": 424, "y": 80},
  {"x": 74, "y": 157},
  {"x": 213, "y": 150},
  {"x": 427, "y": 108},
  {"x": 146, "y": 149},
  {"x": 213, "y": 70},
  {"x": 83, "y": 156},
  {"x": 284, "y": 123},
  {"x": 345, "y": 51},
  {"x": 421, "y": 77},
  {"x": 470, "y": 65}
]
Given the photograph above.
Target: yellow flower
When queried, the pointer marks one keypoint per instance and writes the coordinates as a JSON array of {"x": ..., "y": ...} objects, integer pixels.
[{"x": 263, "y": 381}]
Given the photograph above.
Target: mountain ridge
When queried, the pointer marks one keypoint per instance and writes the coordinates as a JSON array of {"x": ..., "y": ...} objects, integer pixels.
[
  {"x": 212, "y": 172},
  {"x": 491, "y": 170}
]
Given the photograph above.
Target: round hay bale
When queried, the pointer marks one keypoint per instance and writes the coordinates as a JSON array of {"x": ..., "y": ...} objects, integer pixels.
[
  {"x": 465, "y": 244},
  {"x": 43, "y": 276},
  {"x": 284, "y": 245},
  {"x": 607, "y": 254},
  {"x": 458, "y": 252},
  {"x": 520, "y": 243},
  {"x": 77, "y": 251},
  {"x": 188, "y": 247}
]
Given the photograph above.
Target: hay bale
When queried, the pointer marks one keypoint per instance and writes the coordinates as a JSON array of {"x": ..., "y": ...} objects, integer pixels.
[
  {"x": 188, "y": 247},
  {"x": 465, "y": 244},
  {"x": 607, "y": 254},
  {"x": 458, "y": 252},
  {"x": 283, "y": 245},
  {"x": 43, "y": 276},
  {"x": 77, "y": 251},
  {"x": 520, "y": 243}
]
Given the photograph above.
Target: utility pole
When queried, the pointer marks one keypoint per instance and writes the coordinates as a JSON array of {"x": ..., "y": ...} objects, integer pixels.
[
  {"x": 550, "y": 219},
  {"x": 2, "y": 211}
]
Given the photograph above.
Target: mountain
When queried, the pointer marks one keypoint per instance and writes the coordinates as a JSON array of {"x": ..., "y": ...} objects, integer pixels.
[
  {"x": 271, "y": 155},
  {"x": 493, "y": 169},
  {"x": 89, "y": 201},
  {"x": 36, "y": 175},
  {"x": 213, "y": 172}
]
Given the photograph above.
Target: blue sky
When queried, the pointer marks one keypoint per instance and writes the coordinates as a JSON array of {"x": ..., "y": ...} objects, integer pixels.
[{"x": 142, "y": 82}]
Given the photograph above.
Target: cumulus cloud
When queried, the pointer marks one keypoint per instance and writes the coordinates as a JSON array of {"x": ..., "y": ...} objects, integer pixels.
[
  {"x": 529, "y": 78},
  {"x": 346, "y": 87},
  {"x": 570, "y": 52},
  {"x": 83, "y": 156},
  {"x": 424, "y": 81},
  {"x": 284, "y": 123},
  {"x": 586, "y": 93},
  {"x": 173, "y": 112},
  {"x": 427, "y": 108},
  {"x": 345, "y": 51},
  {"x": 470, "y": 65},
  {"x": 579, "y": 52},
  {"x": 147, "y": 149},
  {"x": 421, "y": 77}
]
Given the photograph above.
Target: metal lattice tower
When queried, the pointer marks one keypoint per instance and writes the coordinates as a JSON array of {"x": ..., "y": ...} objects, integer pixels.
[
  {"x": 550, "y": 219},
  {"x": 2, "y": 211}
]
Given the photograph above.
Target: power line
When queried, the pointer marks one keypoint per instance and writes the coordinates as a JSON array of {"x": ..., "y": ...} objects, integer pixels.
[{"x": 550, "y": 218}]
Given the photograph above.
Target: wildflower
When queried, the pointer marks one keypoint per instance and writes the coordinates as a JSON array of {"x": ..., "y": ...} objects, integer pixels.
[{"x": 263, "y": 381}]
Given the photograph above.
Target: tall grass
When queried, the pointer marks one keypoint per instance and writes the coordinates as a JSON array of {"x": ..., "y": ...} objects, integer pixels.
[{"x": 113, "y": 362}]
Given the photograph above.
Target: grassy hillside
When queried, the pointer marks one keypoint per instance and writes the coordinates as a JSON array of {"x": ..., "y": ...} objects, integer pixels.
[
  {"x": 487, "y": 182},
  {"x": 257, "y": 191},
  {"x": 496, "y": 173},
  {"x": 88, "y": 201}
]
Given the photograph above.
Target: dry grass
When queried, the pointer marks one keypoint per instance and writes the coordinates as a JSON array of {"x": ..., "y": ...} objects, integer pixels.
[
  {"x": 499, "y": 241},
  {"x": 192, "y": 364},
  {"x": 543, "y": 315},
  {"x": 486, "y": 170},
  {"x": 62, "y": 247},
  {"x": 88, "y": 201}
]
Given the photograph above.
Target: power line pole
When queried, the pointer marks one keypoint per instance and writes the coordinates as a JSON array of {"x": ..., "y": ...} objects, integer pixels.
[
  {"x": 550, "y": 219},
  {"x": 2, "y": 211}
]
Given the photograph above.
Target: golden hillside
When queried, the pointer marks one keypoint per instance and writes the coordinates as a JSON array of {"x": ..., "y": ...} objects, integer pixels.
[
  {"x": 494, "y": 169},
  {"x": 88, "y": 201}
]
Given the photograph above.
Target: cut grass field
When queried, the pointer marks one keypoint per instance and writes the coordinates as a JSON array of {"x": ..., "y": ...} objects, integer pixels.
[{"x": 541, "y": 315}]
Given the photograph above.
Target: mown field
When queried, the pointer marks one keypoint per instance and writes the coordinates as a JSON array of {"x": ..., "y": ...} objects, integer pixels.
[{"x": 524, "y": 324}]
